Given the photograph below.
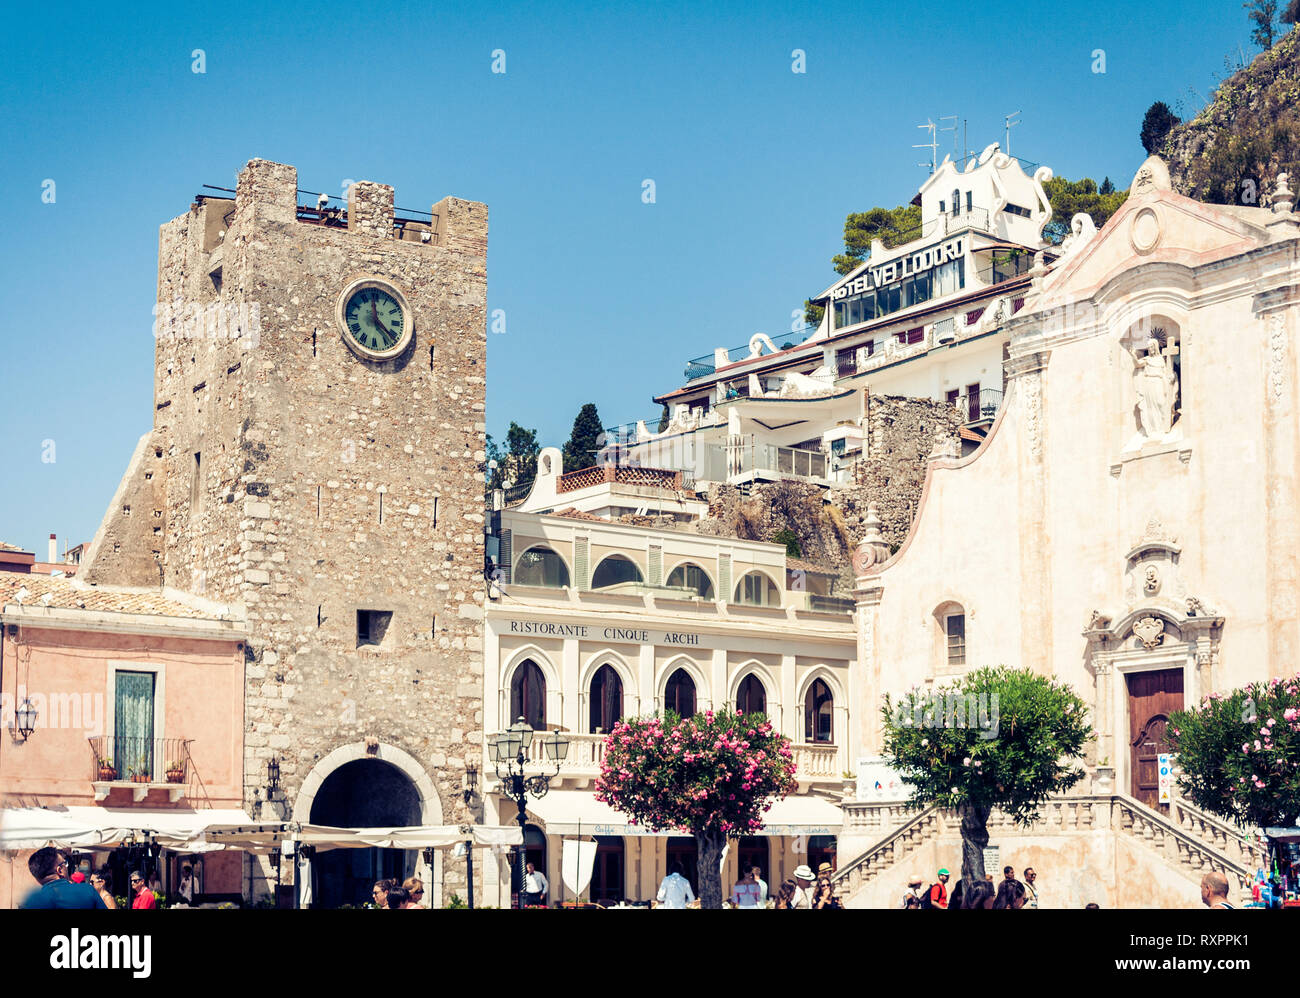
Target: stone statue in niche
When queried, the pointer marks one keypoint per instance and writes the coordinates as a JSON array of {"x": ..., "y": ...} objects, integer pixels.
[
  {"x": 1151, "y": 580},
  {"x": 1157, "y": 389}
]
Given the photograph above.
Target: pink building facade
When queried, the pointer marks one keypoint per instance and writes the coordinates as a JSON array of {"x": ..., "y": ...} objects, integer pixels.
[{"x": 139, "y": 715}]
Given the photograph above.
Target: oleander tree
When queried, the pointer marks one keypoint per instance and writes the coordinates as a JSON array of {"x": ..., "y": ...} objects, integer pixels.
[
  {"x": 1238, "y": 751},
  {"x": 713, "y": 775},
  {"x": 997, "y": 738}
]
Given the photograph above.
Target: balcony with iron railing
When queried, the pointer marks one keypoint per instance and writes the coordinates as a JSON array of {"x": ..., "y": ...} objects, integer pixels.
[
  {"x": 140, "y": 765},
  {"x": 979, "y": 407}
]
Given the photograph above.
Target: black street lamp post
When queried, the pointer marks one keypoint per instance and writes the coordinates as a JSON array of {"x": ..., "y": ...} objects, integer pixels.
[{"x": 509, "y": 750}]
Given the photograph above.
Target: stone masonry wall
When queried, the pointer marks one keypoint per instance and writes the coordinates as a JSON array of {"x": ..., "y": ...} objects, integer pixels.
[
  {"x": 828, "y": 524},
  {"x": 324, "y": 483}
]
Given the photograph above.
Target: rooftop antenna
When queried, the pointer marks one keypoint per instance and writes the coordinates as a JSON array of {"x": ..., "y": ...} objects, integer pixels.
[
  {"x": 932, "y": 145},
  {"x": 945, "y": 128},
  {"x": 1010, "y": 125}
]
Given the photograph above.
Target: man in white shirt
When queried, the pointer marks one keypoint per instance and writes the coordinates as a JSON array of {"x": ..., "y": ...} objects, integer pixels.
[
  {"x": 675, "y": 891},
  {"x": 1031, "y": 888},
  {"x": 535, "y": 886},
  {"x": 762, "y": 885},
  {"x": 803, "y": 879}
]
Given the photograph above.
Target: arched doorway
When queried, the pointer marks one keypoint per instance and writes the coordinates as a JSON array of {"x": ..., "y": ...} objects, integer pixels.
[
  {"x": 607, "y": 873},
  {"x": 1152, "y": 697},
  {"x": 363, "y": 793},
  {"x": 528, "y": 695},
  {"x": 606, "y": 700},
  {"x": 534, "y": 852},
  {"x": 679, "y": 696},
  {"x": 818, "y": 713},
  {"x": 751, "y": 698}
]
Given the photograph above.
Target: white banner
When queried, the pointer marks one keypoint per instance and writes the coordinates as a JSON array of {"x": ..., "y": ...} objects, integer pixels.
[{"x": 576, "y": 864}]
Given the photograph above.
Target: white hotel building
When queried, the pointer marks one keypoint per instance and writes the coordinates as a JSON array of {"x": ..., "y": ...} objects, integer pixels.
[
  {"x": 924, "y": 319},
  {"x": 596, "y": 621}
]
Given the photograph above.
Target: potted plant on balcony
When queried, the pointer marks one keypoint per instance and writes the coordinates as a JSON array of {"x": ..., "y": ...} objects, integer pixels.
[
  {"x": 107, "y": 771},
  {"x": 176, "y": 771},
  {"x": 140, "y": 773}
]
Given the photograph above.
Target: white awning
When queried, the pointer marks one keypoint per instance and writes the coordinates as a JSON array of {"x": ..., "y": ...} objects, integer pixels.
[
  {"x": 188, "y": 830},
  {"x": 105, "y": 827},
  {"x": 269, "y": 837},
  {"x": 577, "y": 812},
  {"x": 803, "y": 815}
]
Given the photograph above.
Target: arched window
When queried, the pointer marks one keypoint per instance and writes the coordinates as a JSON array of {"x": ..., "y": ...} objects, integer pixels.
[
  {"x": 534, "y": 852},
  {"x": 613, "y": 571},
  {"x": 606, "y": 700},
  {"x": 690, "y": 576},
  {"x": 818, "y": 710},
  {"x": 751, "y": 698},
  {"x": 540, "y": 566},
  {"x": 756, "y": 589},
  {"x": 680, "y": 694},
  {"x": 528, "y": 695}
]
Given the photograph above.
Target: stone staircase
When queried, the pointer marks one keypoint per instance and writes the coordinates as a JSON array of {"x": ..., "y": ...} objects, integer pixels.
[{"x": 1187, "y": 840}]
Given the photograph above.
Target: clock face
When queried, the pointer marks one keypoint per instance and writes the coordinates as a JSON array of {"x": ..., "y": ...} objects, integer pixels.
[{"x": 376, "y": 321}]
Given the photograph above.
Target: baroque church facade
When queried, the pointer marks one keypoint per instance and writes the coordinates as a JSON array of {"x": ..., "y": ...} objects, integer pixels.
[{"x": 1129, "y": 525}]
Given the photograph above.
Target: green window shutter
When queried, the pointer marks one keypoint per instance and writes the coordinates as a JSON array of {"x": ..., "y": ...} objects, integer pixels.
[
  {"x": 133, "y": 718},
  {"x": 580, "y": 566},
  {"x": 724, "y": 578},
  {"x": 507, "y": 556},
  {"x": 656, "y": 565}
]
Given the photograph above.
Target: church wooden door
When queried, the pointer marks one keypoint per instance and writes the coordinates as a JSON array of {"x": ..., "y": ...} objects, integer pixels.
[{"x": 1152, "y": 698}]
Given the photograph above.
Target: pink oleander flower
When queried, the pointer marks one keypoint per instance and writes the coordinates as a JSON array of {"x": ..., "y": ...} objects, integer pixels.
[
  {"x": 1245, "y": 746},
  {"x": 1256, "y": 744}
]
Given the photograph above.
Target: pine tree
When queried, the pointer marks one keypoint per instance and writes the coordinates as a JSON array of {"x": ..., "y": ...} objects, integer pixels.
[
  {"x": 586, "y": 439},
  {"x": 1156, "y": 125}
]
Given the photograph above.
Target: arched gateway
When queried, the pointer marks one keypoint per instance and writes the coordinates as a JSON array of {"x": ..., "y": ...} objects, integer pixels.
[{"x": 356, "y": 788}]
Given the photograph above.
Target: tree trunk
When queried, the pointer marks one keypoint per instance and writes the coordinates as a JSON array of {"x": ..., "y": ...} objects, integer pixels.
[
  {"x": 974, "y": 838},
  {"x": 709, "y": 845}
]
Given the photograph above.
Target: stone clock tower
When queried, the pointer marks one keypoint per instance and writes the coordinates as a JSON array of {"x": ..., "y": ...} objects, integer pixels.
[{"x": 317, "y": 455}]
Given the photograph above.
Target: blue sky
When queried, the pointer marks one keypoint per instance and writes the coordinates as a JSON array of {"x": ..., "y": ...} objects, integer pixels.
[{"x": 605, "y": 296}]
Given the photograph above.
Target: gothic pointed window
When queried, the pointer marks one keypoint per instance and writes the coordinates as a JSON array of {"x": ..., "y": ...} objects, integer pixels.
[
  {"x": 528, "y": 695},
  {"x": 818, "y": 710},
  {"x": 680, "y": 694},
  {"x": 606, "y": 700},
  {"x": 751, "y": 698}
]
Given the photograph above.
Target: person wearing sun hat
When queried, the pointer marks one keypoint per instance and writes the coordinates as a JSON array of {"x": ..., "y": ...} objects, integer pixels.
[
  {"x": 803, "y": 895},
  {"x": 912, "y": 896},
  {"x": 823, "y": 894}
]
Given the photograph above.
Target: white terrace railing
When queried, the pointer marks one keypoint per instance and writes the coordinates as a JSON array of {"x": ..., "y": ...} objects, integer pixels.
[{"x": 817, "y": 762}]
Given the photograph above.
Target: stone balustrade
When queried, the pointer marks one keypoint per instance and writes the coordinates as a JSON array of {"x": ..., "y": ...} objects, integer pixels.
[{"x": 1187, "y": 837}]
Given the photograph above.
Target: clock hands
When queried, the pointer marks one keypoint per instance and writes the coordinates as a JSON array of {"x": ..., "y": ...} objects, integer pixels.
[{"x": 374, "y": 316}]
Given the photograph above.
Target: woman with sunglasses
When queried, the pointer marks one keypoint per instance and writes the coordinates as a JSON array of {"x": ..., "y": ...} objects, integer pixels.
[{"x": 101, "y": 881}]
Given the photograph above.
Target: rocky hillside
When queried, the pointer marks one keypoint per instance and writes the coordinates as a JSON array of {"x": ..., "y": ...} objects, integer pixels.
[{"x": 1250, "y": 131}]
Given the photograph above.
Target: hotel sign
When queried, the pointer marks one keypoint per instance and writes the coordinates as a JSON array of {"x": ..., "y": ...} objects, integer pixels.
[{"x": 905, "y": 266}]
